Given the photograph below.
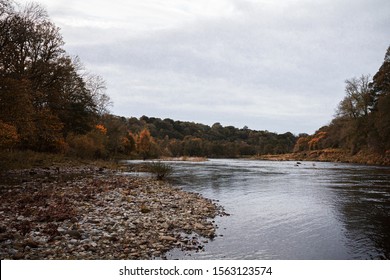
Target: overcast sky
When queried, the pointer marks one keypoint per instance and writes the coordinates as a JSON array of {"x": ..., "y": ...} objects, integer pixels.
[{"x": 270, "y": 65}]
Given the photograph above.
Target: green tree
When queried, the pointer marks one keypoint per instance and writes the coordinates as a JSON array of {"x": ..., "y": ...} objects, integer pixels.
[{"x": 192, "y": 146}]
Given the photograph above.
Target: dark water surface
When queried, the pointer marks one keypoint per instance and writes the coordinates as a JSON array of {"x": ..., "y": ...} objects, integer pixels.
[{"x": 281, "y": 210}]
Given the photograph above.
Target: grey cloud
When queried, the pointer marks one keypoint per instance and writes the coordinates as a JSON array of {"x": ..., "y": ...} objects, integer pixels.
[{"x": 284, "y": 67}]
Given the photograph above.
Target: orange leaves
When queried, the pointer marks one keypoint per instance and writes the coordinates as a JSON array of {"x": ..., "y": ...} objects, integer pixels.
[
  {"x": 127, "y": 144},
  {"x": 144, "y": 143},
  {"x": 101, "y": 129},
  {"x": 312, "y": 142},
  {"x": 301, "y": 144},
  {"x": 8, "y": 135}
]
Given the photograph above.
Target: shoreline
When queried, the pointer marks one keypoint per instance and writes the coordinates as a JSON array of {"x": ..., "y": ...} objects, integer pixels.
[
  {"x": 184, "y": 158},
  {"x": 332, "y": 155},
  {"x": 95, "y": 213}
]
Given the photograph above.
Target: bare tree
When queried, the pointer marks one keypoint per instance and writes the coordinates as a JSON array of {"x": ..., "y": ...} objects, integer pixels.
[
  {"x": 359, "y": 99},
  {"x": 97, "y": 86}
]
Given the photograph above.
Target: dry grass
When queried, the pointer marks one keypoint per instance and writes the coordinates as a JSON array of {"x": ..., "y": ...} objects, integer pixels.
[{"x": 28, "y": 159}]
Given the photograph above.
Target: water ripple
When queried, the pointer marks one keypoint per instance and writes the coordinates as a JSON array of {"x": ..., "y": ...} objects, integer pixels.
[{"x": 281, "y": 211}]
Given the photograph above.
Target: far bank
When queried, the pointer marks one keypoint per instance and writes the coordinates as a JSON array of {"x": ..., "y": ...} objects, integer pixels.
[{"x": 333, "y": 155}]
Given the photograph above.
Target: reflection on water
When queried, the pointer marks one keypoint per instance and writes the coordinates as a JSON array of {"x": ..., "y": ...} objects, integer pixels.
[{"x": 281, "y": 210}]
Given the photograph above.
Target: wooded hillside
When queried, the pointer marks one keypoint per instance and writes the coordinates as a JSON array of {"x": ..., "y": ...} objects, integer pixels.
[
  {"x": 50, "y": 103},
  {"x": 362, "y": 122}
]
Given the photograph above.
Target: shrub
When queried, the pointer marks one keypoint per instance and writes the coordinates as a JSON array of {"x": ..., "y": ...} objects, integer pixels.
[
  {"x": 160, "y": 170},
  {"x": 89, "y": 146}
]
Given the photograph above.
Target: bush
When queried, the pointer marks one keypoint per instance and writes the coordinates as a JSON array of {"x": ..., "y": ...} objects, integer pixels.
[
  {"x": 89, "y": 146},
  {"x": 160, "y": 170}
]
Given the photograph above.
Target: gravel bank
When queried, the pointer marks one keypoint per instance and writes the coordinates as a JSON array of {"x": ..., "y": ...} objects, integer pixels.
[{"x": 91, "y": 213}]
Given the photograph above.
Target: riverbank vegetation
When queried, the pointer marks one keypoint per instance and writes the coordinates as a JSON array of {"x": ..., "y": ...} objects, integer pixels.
[
  {"x": 50, "y": 104},
  {"x": 52, "y": 107},
  {"x": 360, "y": 131}
]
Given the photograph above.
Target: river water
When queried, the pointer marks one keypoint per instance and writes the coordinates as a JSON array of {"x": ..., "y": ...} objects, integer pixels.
[{"x": 285, "y": 210}]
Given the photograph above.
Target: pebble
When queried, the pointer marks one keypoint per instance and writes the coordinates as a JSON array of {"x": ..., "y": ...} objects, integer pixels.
[
  {"x": 168, "y": 238},
  {"x": 100, "y": 216}
]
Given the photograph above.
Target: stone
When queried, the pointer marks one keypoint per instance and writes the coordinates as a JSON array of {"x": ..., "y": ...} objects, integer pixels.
[
  {"x": 104, "y": 224},
  {"x": 199, "y": 226},
  {"x": 31, "y": 243},
  {"x": 168, "y": 238},
  {"x": 74, "y": 233},
  {"x": 165, "y": 225}
]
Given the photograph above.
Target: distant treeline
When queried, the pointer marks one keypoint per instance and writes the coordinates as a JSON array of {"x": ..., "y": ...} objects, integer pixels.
[
  {"x": 149, "y": 137},
  {"x": 50, "y": 103},
  {"x": 177, "y": 138},
  {"x": 362, "y": 122}
]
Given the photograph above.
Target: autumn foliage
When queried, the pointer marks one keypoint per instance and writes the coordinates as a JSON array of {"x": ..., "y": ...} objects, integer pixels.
[
  {"x": 362, "y": 122},
  {"x": 310, "y": 143},
  {"x": 145, "y": 144},
  {"x": 45, "y": 95},
  {"x": 49, "y": 103},
  {"x": 101, "y": 129},
  {"x": 8, "y": 136}
]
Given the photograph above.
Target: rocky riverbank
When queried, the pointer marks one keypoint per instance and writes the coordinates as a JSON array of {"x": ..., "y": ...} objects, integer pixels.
[{"x": 95, "y": 213}]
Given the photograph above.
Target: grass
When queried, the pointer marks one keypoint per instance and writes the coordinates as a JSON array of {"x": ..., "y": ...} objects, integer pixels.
[
  {"x": 29, "y": 159},
  {"x": 160, "y": 169}
]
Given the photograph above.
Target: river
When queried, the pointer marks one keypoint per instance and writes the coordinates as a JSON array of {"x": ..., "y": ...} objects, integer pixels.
[{"x": 290, "y": 210}]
